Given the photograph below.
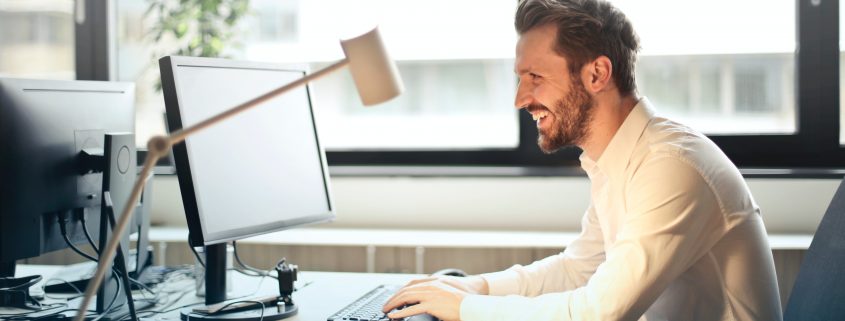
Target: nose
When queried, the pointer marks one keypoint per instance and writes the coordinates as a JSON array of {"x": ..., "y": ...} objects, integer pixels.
[{"x": 524, "y": 96}]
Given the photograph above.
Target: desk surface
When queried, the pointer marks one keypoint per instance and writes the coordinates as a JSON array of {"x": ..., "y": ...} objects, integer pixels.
[{"x": 319, "y": 294}]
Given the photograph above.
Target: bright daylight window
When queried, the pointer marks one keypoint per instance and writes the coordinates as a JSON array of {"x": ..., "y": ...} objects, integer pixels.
[
  {"x": 36, "y": 39},
  {"x": 455, "y": 57},
  {"x": 721, "y": 71}
]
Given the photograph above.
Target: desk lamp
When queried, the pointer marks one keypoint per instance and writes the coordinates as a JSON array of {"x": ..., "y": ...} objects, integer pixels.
[{"x": 376, "y": 79}]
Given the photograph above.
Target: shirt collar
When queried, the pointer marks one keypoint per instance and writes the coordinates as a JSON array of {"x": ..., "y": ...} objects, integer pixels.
[{"x": 617, "y": 154}]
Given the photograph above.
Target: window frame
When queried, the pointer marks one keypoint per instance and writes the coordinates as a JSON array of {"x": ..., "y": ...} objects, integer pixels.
[{"x": 815, "y": 145}]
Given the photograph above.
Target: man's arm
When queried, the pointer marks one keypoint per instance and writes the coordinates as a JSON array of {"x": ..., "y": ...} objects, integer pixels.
[
  {"x": 442, "y": 296},
  {"x": 672, "y": 220},
  {"x": 562, "y": 272}
]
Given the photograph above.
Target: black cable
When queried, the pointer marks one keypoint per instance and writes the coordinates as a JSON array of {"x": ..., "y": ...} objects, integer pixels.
[
  {"x": 244, "y": 265},
  {"x": 196, "y": 255},
  {"x": 63, "y": 228},
  {"x": 106, "y": 311},
  {"x": 88, "y": 235}
]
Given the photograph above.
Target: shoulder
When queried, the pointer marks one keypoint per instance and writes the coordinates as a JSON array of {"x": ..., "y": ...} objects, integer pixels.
[{"x": 681, "y": 157}]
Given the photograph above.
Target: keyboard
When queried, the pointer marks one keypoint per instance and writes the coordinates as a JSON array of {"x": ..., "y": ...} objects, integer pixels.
[{"x": 368, "y": 307}]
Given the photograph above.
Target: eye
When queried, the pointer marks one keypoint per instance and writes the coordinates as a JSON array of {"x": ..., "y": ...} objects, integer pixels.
[{"x": 534, "y": 76}]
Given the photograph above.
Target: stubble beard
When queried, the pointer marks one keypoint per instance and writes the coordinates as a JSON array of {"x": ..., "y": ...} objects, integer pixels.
[{"x": 572, "y": 115}]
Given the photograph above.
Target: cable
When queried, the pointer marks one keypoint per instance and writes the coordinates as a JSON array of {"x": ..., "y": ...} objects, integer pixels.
[
  {"x": 87, "y": 234},
  {"x": 106, "y": 311},
  {"x": 196, "y": 255},
  {"x": 252, "y": 269},
  {"x": 63, "y": 228},
  {"x": 22, "y": 314}
]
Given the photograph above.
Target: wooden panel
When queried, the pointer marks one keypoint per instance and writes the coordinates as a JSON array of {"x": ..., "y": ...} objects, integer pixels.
[
  {"x": 475, "y": 260},
  {"x": 787, "y": 263}
]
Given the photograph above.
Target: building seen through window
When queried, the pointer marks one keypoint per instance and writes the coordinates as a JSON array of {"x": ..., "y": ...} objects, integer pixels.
[
  {"x": 37, "y": 39},
  {"x": 732, "y": 78}
]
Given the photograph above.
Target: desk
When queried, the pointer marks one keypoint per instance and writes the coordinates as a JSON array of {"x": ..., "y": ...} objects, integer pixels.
[{"x": 319, "y": 294}]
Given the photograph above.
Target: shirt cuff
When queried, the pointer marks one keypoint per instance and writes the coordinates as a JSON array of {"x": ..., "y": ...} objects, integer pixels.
[
  {"x": 481, "y": 307},
  {"x": 502, "y": 283}
]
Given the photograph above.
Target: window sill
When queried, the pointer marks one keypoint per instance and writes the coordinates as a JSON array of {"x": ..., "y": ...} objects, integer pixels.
[
  {"x": 432, "y": 238},
  {"x": 522, "y": 171}
]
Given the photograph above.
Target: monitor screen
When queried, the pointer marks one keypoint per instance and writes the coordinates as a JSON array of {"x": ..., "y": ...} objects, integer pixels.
[{"x": 260, "y": 171}]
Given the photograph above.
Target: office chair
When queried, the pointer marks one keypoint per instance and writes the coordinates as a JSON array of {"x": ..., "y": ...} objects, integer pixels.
[{"x": 819, "y": 290}]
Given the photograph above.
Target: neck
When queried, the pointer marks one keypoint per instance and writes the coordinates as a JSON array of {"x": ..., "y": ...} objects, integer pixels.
[{"x": 608, "y": 115}]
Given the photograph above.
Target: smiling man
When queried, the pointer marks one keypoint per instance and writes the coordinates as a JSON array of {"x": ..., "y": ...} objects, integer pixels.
[{"x": 672, "y": 232}]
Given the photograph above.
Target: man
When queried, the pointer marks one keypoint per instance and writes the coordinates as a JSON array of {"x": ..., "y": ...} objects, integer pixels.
[{"x": 672, "y": 232}]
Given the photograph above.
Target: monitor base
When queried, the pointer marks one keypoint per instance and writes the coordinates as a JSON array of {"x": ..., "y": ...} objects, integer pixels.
[{"x": 271, "y": 313}]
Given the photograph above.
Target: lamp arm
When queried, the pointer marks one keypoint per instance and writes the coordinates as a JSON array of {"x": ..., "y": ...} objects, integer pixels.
[
  {"x": 180, "y": 135},
  {"x": 158, "y": 147}
]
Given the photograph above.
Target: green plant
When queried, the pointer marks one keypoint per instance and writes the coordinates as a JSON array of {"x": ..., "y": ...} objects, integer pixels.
[
  {"x": 198, "y": 28},
  {"x": 202, "y": 28}
]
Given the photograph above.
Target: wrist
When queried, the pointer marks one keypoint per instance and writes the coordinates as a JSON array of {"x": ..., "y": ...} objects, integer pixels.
[{"x": 478, "y": 284}]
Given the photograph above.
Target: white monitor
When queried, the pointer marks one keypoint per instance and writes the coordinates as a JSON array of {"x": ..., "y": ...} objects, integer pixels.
[{"x": 258, "y": 172}]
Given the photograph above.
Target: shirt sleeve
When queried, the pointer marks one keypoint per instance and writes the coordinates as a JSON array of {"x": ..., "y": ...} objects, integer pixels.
[
  {"x": 672, "y": 219},
  {"x": 562, "y": 272}
]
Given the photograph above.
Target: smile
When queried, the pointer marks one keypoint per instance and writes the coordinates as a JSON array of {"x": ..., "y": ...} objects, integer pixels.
[{"x": 539, "y": 115}]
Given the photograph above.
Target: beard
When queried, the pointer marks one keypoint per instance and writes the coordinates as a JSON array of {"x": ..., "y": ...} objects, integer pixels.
[{"x": 572, "y": 116}]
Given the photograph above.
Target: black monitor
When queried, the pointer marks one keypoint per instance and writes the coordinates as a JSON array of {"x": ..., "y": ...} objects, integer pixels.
[
  {"x": 44, "y": 125},
  {"x": 54, "y": 156},
  {"x": 259, "y": 172}
]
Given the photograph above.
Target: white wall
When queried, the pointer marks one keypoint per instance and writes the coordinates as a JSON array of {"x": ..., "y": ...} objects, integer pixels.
[{"x": 507, "y": 203}]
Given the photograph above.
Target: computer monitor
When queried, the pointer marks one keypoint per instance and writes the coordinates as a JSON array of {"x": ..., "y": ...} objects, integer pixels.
[
  {"x": 259, "y": 172},
  {"x": 54, "y": 157},
  {"x": 44, "y": 125}
]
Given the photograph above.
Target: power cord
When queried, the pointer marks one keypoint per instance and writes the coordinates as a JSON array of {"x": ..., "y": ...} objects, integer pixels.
[
  {"x": 87, "y": 234},
  {"x": 63, "y": 227},
  {"x": 197, "y": 255},
  {"x": 258, "y": 272}
]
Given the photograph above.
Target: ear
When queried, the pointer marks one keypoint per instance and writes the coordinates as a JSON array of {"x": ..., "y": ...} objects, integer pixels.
[{"x": 597, "y": 74}]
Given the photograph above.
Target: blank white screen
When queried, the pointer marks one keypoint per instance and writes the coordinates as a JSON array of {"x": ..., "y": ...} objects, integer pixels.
[{"x": 258, "y": 168}]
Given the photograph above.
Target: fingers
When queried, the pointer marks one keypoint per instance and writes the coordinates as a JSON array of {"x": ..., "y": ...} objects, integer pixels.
[
  {"x": 412, "y": 284},
  {"x": 404, "y": 297},
  {"x": 409, "y": 311}
]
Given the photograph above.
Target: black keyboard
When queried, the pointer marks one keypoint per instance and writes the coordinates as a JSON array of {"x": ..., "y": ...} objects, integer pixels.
[{"x": 368, "y": 307}]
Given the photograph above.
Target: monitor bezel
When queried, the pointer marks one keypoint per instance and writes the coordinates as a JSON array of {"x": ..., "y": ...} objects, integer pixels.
[{"x": 197, "y": 232}]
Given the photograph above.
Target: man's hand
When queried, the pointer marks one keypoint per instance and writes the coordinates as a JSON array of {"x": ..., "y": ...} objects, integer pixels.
[{"x": 440, "y": 296}]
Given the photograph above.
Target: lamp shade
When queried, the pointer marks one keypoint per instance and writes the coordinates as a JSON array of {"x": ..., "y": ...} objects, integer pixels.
[{"x": 373, "y": 71}]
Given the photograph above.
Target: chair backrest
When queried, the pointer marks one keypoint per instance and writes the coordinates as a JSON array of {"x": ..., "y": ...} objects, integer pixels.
[{"x": 819, "y": 290}]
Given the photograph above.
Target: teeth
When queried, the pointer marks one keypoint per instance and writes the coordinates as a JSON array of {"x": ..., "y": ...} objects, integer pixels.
[{"x": 539, "y": 115}]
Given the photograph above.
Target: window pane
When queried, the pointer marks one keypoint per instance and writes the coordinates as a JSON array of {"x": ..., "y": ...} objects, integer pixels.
[
  {"x": 36, "y": 39},
  {"x": 458, "y": 76},
  {"x": 731, "y": 77}
]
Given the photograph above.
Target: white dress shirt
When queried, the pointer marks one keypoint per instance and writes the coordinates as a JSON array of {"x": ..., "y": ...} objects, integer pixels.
[{"x": 672, "y": 233}]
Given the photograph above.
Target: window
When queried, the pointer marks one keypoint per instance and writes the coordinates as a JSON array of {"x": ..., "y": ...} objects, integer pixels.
[
  {"x": 721, "y": 66},
  {"x": 734, "y": 77},
  {"x": 459, "y": 94},
  {"x": 36, "y": 39}
]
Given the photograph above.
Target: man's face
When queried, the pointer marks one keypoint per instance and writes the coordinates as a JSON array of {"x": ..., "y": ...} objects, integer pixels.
[{"x": 557, "y": 100}]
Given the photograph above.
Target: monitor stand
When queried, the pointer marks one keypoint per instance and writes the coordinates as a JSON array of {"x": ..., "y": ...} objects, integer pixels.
[{"x": 215, "y": 292}]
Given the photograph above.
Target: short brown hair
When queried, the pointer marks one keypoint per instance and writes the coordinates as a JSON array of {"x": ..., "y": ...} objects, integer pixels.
[{"x": 586, "y": 29}]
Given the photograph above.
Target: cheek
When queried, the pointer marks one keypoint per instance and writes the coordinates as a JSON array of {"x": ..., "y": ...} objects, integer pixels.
[{"x": 549, "y": 96}]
